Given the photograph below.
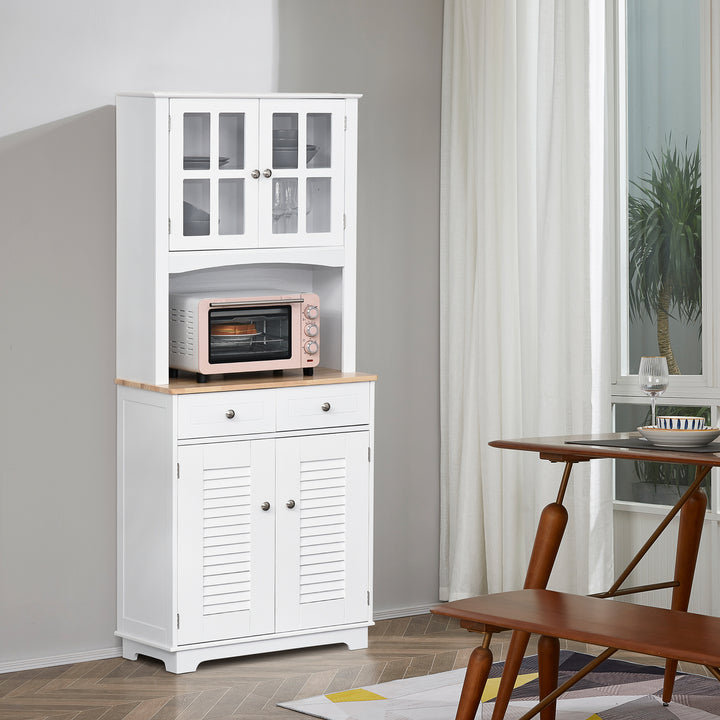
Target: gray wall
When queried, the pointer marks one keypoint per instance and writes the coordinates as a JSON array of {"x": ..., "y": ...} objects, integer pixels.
[
  {"x": 390, "y": 52},
  {"x": 62, "y": 64}
]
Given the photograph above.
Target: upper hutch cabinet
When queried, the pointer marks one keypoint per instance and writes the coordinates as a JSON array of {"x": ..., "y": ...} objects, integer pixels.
[
  {"x": 233, "y": 191},
  {"x": 256, "y": 173}
]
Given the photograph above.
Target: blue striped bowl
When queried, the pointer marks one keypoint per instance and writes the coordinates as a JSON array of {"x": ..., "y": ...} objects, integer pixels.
[{"x": 678, "y": 422}]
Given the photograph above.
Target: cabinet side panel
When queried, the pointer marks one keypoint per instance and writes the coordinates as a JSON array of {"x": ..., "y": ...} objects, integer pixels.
[
  {"x": 328, "y": 284},
  {"x": 145, "y": 516},
  {"x": 142, "y": 322},
  {"x": 349, "y": 302}
]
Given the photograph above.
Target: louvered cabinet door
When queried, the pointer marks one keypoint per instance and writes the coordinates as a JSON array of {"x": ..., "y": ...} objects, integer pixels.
[
  {"x": 225, "y": 540},
  {"x": 322, "y": 575}
]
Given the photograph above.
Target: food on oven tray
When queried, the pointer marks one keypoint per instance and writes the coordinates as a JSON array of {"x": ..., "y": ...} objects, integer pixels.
[{"x": 233, "y": 329}]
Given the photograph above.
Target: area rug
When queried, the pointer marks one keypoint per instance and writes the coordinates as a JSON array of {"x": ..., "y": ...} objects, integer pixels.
[{"x": 617, "y": 690}]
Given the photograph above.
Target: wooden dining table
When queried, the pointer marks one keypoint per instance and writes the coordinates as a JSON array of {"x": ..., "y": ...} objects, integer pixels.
[{"x": 569, "y": 450}]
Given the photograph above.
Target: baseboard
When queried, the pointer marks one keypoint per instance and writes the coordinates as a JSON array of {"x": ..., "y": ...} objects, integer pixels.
[
  {"x": 404, "y": 612},
  {"x": 69, "y": 659},
  {"x": 113, "y": 652}
]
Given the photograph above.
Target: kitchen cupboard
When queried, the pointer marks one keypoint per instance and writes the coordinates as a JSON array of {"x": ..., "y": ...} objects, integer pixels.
[{"x": 244, "y": 504}]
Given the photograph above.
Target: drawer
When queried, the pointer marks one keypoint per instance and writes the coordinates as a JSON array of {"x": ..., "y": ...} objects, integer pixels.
[
  {"x": 321, "y": 406},
  {"x": 226, "y": 413}
]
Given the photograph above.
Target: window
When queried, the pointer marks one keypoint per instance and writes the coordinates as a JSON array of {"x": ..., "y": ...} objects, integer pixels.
[{"x": 665, "y": 260}]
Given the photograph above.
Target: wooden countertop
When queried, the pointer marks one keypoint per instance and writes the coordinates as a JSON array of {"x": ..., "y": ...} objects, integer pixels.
[{"x": 186, "y": 385}]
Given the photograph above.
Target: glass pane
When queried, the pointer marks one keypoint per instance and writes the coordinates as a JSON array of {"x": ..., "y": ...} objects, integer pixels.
[
  {"x": 318, "y": 205},
  {"x": 285, "y": 140},
  {"x": 196, "y": 207},
  {"x": 318, "y": 140},
  {"x": 196, "y": 141},
  {"x": 649, "y": 482},
  {"x": 232, "y": 141},
  {"x": 285, "y": 205},
  {"x": 250, "y": 334},
  {"x": 231, "y": 199},
  {"x": 664, "y": 234}
]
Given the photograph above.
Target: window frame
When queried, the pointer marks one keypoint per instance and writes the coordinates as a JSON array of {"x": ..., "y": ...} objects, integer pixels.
[{"x": 687, "y": 389}]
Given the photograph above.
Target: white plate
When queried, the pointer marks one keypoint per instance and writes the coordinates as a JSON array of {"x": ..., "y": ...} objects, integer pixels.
[{"x": 679, "y": 438}]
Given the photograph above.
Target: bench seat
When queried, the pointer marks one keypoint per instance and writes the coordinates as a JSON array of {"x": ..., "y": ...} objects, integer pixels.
[{"x": 663, "y": 633}]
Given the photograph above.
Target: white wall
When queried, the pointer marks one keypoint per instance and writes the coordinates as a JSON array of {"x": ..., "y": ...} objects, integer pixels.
[
  {"x": 390, "y": 52},
  {"x": 62, "y": 64}
]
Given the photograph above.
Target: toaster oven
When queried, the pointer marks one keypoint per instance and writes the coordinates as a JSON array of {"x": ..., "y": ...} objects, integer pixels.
[{"x": 255, "y": 331}]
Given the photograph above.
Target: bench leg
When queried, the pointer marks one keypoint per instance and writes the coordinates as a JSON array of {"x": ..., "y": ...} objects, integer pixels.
[
  {"x": 692, "y": 517},
  {"x": 548, "y": 668},
  {"x": 476, "y": 677},
  {"x": 551, "y": 527}
]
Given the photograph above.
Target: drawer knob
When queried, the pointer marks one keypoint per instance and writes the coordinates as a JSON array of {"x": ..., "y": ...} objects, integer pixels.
[
  {"x": 290, "y": 504},
  {"x": 230, "y": 414},
  {"x": 265, "y": 506},
  {"x": 325, "y": 406}
]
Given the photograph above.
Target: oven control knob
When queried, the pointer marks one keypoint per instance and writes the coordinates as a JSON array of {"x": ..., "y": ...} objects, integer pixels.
[
  {"x": 311, "y": 348},
  {"x": 311, "y": 312},
  {"x": 311, "y": 330}
]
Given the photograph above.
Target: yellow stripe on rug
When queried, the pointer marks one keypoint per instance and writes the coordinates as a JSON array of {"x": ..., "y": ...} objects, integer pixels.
[
  {"x": 493, "y": 685},
  {"x": 357, "y": 695}
]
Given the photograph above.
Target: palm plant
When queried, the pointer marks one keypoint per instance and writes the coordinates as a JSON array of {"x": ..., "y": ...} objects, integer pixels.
[{"x": 665, "y": 244}]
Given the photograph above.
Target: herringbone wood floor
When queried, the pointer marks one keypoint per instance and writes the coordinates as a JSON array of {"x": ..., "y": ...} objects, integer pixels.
[{"x": 246, "y": 688}]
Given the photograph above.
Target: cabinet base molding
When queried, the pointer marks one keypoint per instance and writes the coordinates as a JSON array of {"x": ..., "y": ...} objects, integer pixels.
[{"x": 185, "y": 660}]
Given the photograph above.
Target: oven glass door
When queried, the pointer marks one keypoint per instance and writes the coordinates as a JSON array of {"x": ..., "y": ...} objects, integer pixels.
[{"x": 249, "y": 334}]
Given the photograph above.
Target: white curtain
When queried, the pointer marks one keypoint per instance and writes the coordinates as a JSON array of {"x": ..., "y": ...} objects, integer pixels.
[{"x": 523, "y": 273}]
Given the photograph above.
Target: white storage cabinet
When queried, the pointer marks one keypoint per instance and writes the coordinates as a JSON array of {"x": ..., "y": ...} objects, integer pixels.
[
  {"x": 253, "y": 532},
  {"x": 244, "y": 505}
]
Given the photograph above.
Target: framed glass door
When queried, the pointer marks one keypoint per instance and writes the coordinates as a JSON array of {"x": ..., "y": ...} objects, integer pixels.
[
  {"x": 302, "y": 164},
  {"x": 213, "y": 174}
]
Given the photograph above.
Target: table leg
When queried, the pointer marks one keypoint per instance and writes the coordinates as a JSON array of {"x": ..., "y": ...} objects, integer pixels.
[
  {"x": 551, "y": 527},
  {"x": 692, "y": 518},
  {"x": 476, "y": 677}
]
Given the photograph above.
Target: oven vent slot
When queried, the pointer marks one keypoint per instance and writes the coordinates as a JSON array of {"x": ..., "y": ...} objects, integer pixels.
[{"x": 182, "y": 333}]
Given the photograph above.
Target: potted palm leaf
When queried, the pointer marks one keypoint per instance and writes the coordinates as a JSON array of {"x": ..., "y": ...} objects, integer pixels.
[{"x": 664, "y": 231}]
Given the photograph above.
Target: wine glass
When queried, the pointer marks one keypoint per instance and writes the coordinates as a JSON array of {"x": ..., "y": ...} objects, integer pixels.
[{"x": 653, "y": 377}]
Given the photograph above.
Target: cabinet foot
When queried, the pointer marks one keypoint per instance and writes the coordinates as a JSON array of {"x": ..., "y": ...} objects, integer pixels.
[{"x": 187, "y": 659}]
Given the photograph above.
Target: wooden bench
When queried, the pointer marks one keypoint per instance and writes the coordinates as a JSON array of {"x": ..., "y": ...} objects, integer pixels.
[{"x": 671, "y": 634}]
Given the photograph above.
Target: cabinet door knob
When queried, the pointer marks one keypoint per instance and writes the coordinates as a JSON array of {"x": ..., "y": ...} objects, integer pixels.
[
  {"x": 255, "y": 174},
  {"x": 325, "y": 406},
  {"x": 290, "y": 504},
  {"x": 230, "y": 414},
  {"x": 267, "y": 173},
  {"x": 265, "y": 506}
]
